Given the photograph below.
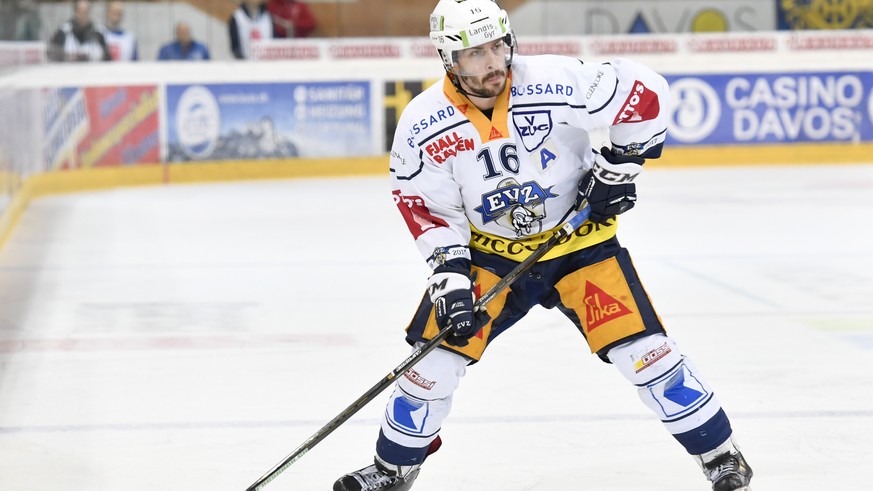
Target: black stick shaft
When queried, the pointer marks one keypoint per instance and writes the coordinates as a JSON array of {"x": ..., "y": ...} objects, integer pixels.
[{"x": 417, "y": 355}]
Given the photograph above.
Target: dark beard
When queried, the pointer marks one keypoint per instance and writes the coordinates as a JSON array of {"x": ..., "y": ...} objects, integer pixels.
[{"x": 478, "y": 91}]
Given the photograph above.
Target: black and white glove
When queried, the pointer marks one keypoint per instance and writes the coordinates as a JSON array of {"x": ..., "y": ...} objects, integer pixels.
[
  {"x": 451, "y": 292},
  {"x": 609, "y": 186}
]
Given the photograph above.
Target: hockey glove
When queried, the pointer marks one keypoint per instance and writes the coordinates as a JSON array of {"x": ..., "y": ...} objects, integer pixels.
[
  {"x": 609, "y": 186},
  {"x": 451, "y": 292}
]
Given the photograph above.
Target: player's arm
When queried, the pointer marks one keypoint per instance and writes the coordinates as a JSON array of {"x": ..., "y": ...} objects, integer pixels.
[
  {"x": 429, "y": 199},
  {"x": 638, "y": 112},
  {"x": 632, "y": 101}
]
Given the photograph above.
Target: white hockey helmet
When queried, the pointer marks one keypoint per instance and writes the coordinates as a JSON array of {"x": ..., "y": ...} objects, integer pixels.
[{"x": 456, "y": 25}]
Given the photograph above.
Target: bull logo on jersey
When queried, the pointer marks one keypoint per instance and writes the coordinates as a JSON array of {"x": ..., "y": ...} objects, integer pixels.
[
  {"x": 533, "y": 127},
  {"x": 518, "y": 207}
]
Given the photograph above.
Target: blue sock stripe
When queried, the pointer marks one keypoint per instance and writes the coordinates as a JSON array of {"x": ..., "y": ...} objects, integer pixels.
[
  {"x": 396, "y": 454},
  {"x": 707, "y": 436}
]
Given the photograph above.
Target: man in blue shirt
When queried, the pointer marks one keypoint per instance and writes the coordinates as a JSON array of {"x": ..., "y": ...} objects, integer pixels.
[{"x": 184, "y": 47}]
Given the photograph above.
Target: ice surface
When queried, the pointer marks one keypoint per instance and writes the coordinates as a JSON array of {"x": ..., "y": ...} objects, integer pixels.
[{"x": 190, "y": 337}]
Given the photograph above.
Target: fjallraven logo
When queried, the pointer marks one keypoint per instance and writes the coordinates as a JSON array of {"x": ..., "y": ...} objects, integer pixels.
[
  {"x": 449, "y": 146},
  {"x": 601, "y": 307}
]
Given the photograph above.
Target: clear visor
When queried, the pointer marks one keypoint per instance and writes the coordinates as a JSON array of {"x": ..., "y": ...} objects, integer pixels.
[{"x": 482, "y": 60}]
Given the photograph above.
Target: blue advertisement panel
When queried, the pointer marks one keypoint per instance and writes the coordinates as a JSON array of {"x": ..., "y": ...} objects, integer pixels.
[
  {"x": 268, "y": 120},
  {"x": 774, "y": 108}
]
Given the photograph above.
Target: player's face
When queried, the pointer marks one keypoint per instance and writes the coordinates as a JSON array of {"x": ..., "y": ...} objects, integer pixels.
[{"x": 482, "y": 69}]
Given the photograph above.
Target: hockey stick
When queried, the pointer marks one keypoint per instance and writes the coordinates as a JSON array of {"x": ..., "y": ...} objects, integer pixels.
[{"x": 565, "y": 231}]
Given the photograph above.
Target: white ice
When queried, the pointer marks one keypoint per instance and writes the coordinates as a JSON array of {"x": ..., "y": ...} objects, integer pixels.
[{"x": 190, "y": 337}]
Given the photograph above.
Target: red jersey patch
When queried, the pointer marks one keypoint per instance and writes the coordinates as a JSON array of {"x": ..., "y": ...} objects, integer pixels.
[
  {"x": 641, "y": 105},
  {"x": 601, "y": 307},
  {"x": 416, "y": 215},
  {"x": 449, "y": 146}
]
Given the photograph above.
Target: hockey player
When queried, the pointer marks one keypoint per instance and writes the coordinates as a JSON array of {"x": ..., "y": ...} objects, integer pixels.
[{"x": 483, "y": 167}]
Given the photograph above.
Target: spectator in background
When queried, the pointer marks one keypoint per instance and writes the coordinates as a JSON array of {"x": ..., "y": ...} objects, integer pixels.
[
  {"x": 250, "y": 22},
  {"x": 78, "y": 39},
  {"x": 19, "y": 21},
  {"x": 184, "y": 47},
  {"x": 7, "y": 20},
  {"x": 122, "y": 44},
  {"x": 28, "y": 24},
  {"x": 291, "y": 18}
]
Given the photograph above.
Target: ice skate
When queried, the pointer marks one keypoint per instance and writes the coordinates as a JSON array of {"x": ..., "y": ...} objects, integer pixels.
[
  {"x": 726, "y": 468},
  {"x": 381, "y": 476},
  {"x": 729, "y": 472}
]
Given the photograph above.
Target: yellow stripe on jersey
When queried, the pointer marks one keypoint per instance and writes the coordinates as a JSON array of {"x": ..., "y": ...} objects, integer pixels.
[
  {"x": 587, "y": 235},
  {"x": 489, "y": 129}
]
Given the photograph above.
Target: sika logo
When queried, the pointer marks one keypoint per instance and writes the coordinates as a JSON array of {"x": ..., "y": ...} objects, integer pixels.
[{"x": 601, "y": 307}]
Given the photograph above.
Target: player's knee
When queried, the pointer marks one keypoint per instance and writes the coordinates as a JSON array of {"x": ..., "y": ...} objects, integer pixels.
[
  {"x": 435, "y": 377},
  {"x": 666, "y": 382},
  {"x": 422, "y": 399},
  {"x": 645, "y": 359}
]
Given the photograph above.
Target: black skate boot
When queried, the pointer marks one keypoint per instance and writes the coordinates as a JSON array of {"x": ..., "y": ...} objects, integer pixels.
[
  {"x": 726, "y": 468},
  {"x": 381, "y": 476}
]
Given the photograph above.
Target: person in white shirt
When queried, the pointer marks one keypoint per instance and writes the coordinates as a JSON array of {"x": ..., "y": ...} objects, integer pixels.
[
  {"x": 249, "y": 23},
  {"x": 121, "y": 42}
]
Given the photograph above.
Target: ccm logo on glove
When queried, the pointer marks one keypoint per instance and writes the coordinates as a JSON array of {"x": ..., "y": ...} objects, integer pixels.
[
  {"x": 608, "y": 187},
  {"x": 451, "y": 291}
]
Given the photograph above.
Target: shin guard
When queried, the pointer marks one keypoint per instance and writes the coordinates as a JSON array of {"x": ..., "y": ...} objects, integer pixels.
[
  {"x": 421, "y": 401},
  {"x": 674, "y": 390}
]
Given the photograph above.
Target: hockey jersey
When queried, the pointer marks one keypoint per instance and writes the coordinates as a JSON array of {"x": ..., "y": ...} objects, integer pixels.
[
  {"x": 246, "y": 30},
  {"x": 500, "y": 185},
  {"x": 122, "y": 44}
]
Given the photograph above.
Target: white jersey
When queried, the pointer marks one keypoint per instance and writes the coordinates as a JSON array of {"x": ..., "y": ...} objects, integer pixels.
[
  {"x": 461, "y": 180},
  {"x": 122, "y": 44},
  {"x": 252, "y": 30}
]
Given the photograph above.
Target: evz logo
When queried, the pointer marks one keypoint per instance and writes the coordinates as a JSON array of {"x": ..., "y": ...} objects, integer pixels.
[
  {"x": 518, "y": 207},
  {"x": 533, "y": 127}
]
